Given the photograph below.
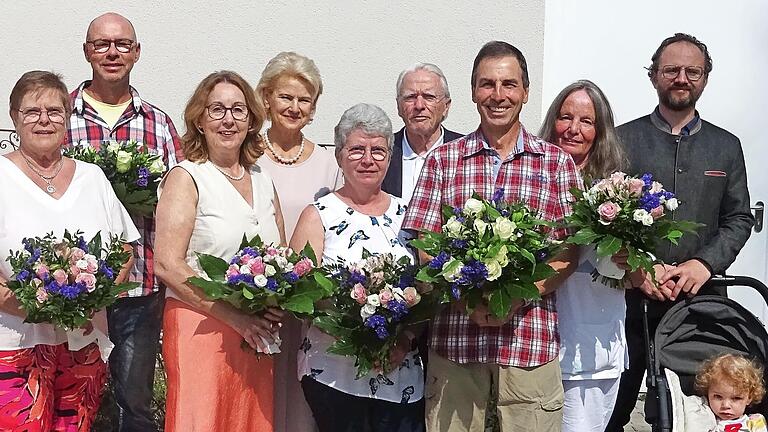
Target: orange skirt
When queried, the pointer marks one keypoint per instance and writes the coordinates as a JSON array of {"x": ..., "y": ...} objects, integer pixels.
[{"x": 213, "y": 384}]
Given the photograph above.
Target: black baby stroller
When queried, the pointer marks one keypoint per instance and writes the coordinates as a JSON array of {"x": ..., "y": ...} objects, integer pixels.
[{"x": 693, "y": 331}]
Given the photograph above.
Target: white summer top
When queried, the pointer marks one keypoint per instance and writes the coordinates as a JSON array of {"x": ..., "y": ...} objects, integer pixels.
[
  {"x": 89, "y": 204},
  {"x": 347, "y": 232},
  {"x": 301, "y": 184},
  {"x": 591, "y": 323},
  {"x": 223, "y": 216}
]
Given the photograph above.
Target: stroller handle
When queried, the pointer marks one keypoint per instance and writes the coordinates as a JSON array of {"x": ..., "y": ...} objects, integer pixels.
[{"x": 727, "y": 281}]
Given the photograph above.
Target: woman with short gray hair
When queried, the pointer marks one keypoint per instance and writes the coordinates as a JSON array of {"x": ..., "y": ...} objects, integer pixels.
[{"x": 341, "y": 225}]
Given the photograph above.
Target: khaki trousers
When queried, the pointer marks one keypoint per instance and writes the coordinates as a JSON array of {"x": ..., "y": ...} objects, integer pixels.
[{"x": 529, "y": 399}]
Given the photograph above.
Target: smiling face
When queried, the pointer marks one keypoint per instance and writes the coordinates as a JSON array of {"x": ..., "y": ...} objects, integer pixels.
[
  {"x": 291, "y": 103},
  {"x": 575, "y": 126},
  {"x": 422, "y": 103},
  {"x": 358, "y": 159},
  {"x": 225, "y": 134},
  {"x": 111, "y": 66},
  {"x": 679, "y": 93},
  {"x": 726, "y": 402},
  {"x": 45, "y": 134},
  {"x": 498, "y": 93}
]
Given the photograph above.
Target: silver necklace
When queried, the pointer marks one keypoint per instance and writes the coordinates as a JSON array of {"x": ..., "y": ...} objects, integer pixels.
[
  {"x": 282, "y": 160},
  {"x": 49, "y": 187},
  {"x": 230, "y": 176}
]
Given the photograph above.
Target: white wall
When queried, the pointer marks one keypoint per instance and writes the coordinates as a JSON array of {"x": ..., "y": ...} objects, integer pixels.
[
  {"x": 360, "y": 47},
  {"x": 610, "y": 42}
]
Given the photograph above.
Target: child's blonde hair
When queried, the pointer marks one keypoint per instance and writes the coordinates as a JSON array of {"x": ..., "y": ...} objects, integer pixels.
[{"x": 743, "y": 374}]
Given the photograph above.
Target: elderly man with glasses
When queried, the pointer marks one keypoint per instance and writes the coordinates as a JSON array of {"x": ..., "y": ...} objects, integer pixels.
[
  {"x": 704, "y": 166},
  {"x": 423, "y": 101},
  {"x": 107, "y": 108}
]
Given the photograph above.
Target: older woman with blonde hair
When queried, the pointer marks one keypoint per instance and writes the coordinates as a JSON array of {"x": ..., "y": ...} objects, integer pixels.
[
  {"x": 590, "y": 315},
  {"x": 303, "y": 172},
  {"x": 207, "y": 204}
]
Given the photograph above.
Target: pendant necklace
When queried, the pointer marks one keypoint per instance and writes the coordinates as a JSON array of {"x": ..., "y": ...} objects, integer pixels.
[{"x": 49, "y": 187}]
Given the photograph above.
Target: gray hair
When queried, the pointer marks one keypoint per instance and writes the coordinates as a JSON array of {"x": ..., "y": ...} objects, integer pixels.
[
  {"x": 429, "y": 67},
  {"x": 367, "y": 117},
  {"x": 607, "y": 154}
]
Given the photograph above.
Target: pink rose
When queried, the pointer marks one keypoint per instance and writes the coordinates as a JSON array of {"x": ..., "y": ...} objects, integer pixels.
[
  {"x": 42, "y": 271},
  {"x": 60, "y": 276},
  {"x": 42, "y": 295},
  {"x": 245, "y": 259},
  {"x": 303, "y": 267},
  {"x": 74, "y": 270},
  {"x": 92, "y": 264},
  {"x": 657, "y": 212},
  {"x": 411, "y": 296},
  {"x": 636, "y": 187},
  {"x": 617, "y": 178},
  {"x": 76, "y": 254},
  {"x": 359, "y": 294},
  {"x": 88, "y": 280},
  {"x": 608, "y": 211},
  {"x": 272, "y": 251},
  {"x": 233, "y": 270},
  {"x": 656, "y": 187},
  {"x": 257, "y": 266},
  {"x": 385, "y": 296}
]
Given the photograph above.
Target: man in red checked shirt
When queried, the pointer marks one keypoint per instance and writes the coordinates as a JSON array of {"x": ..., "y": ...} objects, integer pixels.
[
  {"x": 107, "y": 108},
  {"x": 472, "y": 357}
]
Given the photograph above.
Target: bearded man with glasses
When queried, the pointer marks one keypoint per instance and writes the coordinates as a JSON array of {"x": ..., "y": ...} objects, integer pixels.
[
  {"x": 107, "y": 108},
  {"x": 703, "y": 165}
]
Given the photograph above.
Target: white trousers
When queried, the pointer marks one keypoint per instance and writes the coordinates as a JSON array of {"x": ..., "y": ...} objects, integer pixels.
[{"x": 588, "y": 404}]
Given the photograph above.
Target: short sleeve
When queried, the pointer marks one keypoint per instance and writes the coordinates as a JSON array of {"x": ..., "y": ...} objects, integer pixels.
[{"x": 425, "y": 209}]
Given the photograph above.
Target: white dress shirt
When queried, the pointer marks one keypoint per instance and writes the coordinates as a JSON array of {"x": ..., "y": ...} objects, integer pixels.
[{"x": 413, "y": 162}]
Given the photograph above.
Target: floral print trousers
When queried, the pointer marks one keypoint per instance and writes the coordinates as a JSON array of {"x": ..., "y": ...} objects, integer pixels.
[{"x": 49, "y": 388}]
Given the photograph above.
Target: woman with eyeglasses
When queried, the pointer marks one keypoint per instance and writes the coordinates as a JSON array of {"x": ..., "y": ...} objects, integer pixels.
[
  {"x": 207, "y": 203},
  {"x": 303, "y": 172},
  {"x": 359, "y": 216},
  {"x": 46, "y": 383}
]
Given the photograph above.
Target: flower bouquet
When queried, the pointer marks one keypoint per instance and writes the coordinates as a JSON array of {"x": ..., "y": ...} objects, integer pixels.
[
  {"x": 624, "y": 212},
  {"x": 373, "y": 303},
  {"x": 64, "y": 282},
  {"x": 133, "y": 170},
  {"x": 261, "y": 276},
  {"x": 490, "y": 252}
]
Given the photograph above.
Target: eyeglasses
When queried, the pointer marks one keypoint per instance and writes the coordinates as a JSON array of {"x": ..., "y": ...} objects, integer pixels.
[
  {"x": 217, "y": 111},
  {"x": 429, "y": 98},
  {"x": 358, "y": 152},
  {"x": 670, "y": 72},
  {"x": 32, "y": 115},
  {"x": 102, "y": 45}
]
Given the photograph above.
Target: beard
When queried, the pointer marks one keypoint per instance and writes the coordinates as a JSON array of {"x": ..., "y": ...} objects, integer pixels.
[{"x": 675, "y": 103}]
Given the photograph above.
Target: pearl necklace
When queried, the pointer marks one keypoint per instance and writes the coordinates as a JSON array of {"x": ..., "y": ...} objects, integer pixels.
[
  {"x": 282, "y": 160},
  {"x": 50, "y": 188},
  {"x": 230, "y": 176}
]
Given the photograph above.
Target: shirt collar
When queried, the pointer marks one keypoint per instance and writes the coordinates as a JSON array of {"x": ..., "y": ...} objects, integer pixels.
[
  {"x": 408, "y": 152},
  {"x": 526, "y": 142},
  {"x": 661, "y": 123},
  {"x": 78, "y": 104}
]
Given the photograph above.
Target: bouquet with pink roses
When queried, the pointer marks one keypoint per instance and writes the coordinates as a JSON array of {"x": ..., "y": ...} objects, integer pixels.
[
  {"x": 624, "y": 212},
  {"x": 64, "y": 282},
  {"x": 374, "y": 301}
]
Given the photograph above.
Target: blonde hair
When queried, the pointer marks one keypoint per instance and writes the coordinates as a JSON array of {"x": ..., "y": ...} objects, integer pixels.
[
  {"x": 292, "y": 65},
  {"x": 741, "y": 373},
  {"x": 193, "y": 142}
]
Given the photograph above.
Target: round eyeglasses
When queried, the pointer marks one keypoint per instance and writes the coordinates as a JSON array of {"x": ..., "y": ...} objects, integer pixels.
[
  {"x": 32, "y": 115},
  {"x": 217, "y": 111},
  {"x": 693, "y": 73},
  {"x": 102, "y": 45},
  {"x": 358, "y": 152}
]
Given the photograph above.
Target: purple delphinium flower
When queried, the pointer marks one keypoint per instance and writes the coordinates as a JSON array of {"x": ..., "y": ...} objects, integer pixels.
[
  {"x": 72, "y": 291},
  {"x": 455, "y": 291},
  {"x": 398, "y": 308},
  {"x": 440, "y": 260},
  {"x": 459, "y": 243},
  {"x": 649, "y": 201},
  {"x": 381, "y": 332},
  {"x": 271, "y": 284},
  {"x": 250, "y": 251},
  {"x": 461, "y": 219},
  {"x": 474, "y": 272},
  {"x": 143, "y": 172},
  {"x": 356, "y": 277},
  {"x": 27, "y": 244},
  {"x": 35, "y": 255},
  {"x": 142, "y": 182},
  {"x": 405, "y": 280},
  {"x": 291, "y": 277},
  {"x": 505, "y": 212},
  {"x": 53, "y": 287},
  {"x": 108, "y": 272},
  {"x": 244, "y": 278},
  {"x": 22, "y": 276},
  {"x": 498, "y": 195},
  {"x": 541, "y": 255},
  {"x": 82, "y": 244},
  {"x": 457, "y": 211},
  {"x": 647, "y": 179},
  {"x": 376, "y": 320}
]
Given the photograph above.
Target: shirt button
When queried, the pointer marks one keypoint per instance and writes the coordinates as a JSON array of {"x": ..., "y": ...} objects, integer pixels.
[
  {"x": 680, "y": 170},
  {"x": 495, "y": 162}
]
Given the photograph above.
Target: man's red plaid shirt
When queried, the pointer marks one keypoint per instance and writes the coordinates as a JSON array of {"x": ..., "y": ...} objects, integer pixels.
[
  {"x": 537, "y": 173},
  {"x": 141, "y": 122}
]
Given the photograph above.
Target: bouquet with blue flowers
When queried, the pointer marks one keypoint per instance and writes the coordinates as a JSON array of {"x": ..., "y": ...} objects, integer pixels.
[
  {"x": 373, "y": 303},
  {"x": 624, "y": 212},
  {"x": 261, "y": 276},
  {"x": 490, "y": 252},
  {"x": 64, "y": 282},
  {"x": 133, "y": 170}
]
